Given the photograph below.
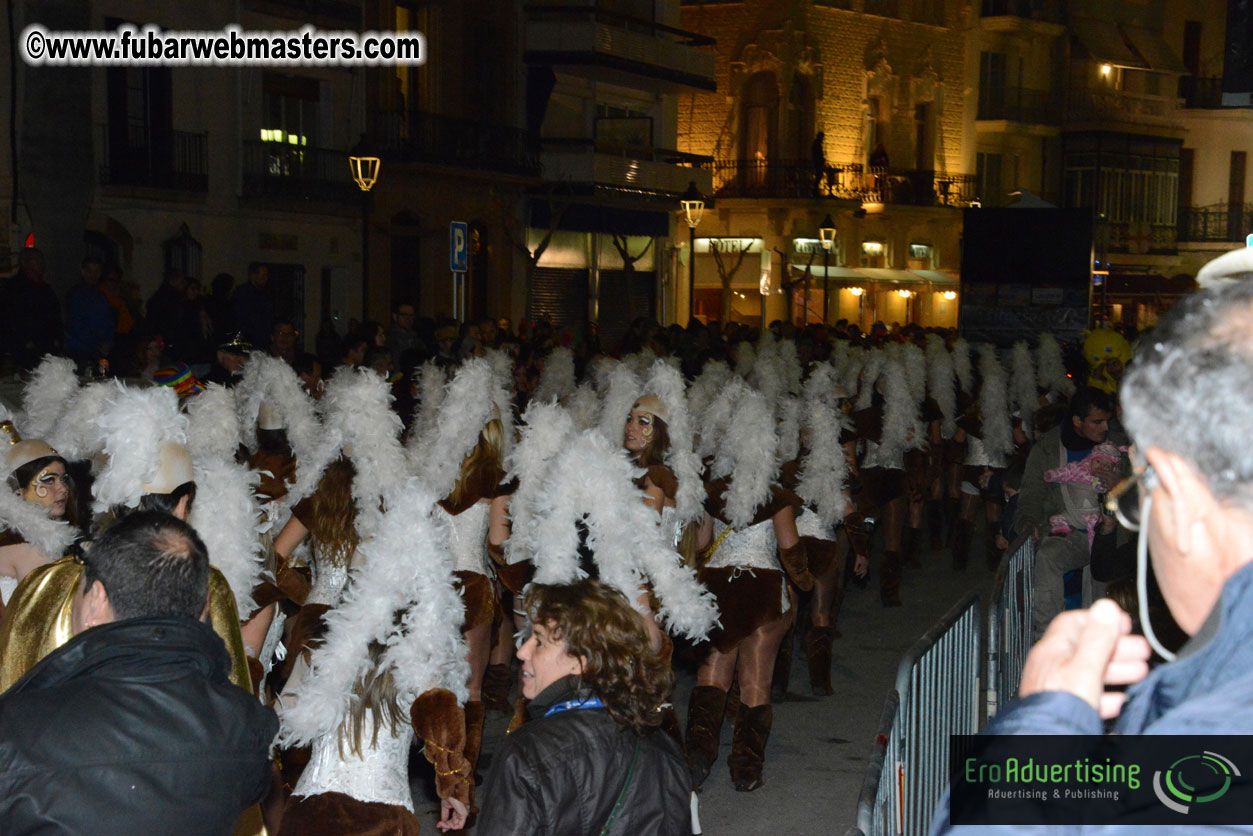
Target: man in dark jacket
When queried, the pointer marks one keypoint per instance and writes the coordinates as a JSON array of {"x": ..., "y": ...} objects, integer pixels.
[
  {"x": 132, "y": 726},
  {"x": 1189, "y": 409},
  {"x": 30, "y": 316},
  {"x": 89, "y": 327}
]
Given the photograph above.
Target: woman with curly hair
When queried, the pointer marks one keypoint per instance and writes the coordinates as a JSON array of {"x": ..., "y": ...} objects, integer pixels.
[{"x": 589, "y": 761}]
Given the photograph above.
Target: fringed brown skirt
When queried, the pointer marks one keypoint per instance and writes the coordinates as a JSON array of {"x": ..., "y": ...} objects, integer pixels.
[
  {"x": 745, "y": 602},
  {"x": 336, "y": 814},
  {"x": 479, "y": 598}
]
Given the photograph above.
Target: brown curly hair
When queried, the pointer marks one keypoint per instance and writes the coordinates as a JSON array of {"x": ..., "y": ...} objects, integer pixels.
[{"x": 600, "y": 628}]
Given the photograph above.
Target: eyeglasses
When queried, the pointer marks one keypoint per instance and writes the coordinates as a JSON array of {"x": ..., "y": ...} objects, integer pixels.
[{"x": 1124, "y": 500}]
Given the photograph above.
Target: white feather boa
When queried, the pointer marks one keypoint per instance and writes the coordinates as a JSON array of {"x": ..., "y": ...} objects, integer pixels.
[
  {"x": 213, "y": 432},
  {"x": 358, "y": 410},
  {"x": 1052, "y": 370},
  {"x": 402, "y": 568},
  {"x": 870, "y": 371},
  {"x": 76, "y": 435},
  {"x": 902, "y": 424},
  {"x": 502, "y": 394},
  {"x": 134, "y": 425},
  {"x": 592, "y": 480},
  {"x": 466, "y": 409},
  {"x": 1023, "y": 397},
  {"x": 747, "y": 452},
  {"x": 745, "y": 357},
  {"x": 556, "y": 378},
  {"x": 962, "y": 367},
  {"x": 432, "y": 384},
  {"x": 666, "y": 382},
  {"x": 706, "y": 387},
  {"x": 230, "y": 520},
  {"x": 584, "y": 406},
  {"x": 850, "y": 372},
  {"x": 915, "y": 365},
  {"x": 270, "y": 379},
  {"x": 47, "y": 395},
  {"x": 824, "y": 472},
  {"x": 546, "y": 427},
  {"x": 940, "y": 385},
  {"x": 791, "y": 366},
  {"x": 716, "y": 416},
  {"x": 641, "y": 361},
  {"x": 998, "y": 439},
  {"x": 624, "y": 389},
  {"x": 50, "y": 537},
  {"x": 789, "y": 412}
]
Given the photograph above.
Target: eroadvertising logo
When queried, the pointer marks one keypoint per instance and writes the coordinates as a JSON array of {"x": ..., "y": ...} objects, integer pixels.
[
  {"x": 1100, "y": 780},
  {"x": 1175, "y": 780}
]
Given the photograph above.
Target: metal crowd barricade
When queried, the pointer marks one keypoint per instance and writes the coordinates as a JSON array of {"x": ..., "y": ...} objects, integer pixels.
[
  {"x": 1009, "y": 622},
  {"x": 939, "y": 696}
]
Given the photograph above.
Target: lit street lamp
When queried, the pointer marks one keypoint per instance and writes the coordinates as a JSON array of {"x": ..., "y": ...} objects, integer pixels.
[
  {"x": 365, "y": 171},
  {"x": 693, "y": 203},
  {"x": 827, "y": 234}
]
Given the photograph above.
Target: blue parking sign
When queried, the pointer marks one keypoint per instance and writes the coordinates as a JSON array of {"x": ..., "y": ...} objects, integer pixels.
[{"x": 458, "y": 246}]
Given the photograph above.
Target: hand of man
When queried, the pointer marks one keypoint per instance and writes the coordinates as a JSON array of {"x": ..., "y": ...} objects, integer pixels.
[
  {"x": 1083, "y": 651},
  {"x": 860, "y": 566},
  {"x": 452, "y": 815}
]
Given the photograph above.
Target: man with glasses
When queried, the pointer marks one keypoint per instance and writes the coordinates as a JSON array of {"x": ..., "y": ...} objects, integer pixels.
[{"x": 1187, "y": 402}]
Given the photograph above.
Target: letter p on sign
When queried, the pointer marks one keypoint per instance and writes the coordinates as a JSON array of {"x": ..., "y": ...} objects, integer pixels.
[{"x": 458, "y": 246}]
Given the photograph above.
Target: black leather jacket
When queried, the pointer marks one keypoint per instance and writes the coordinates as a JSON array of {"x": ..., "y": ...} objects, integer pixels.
[
  {"x": 561, "y": 775},
  {"x": 132, "y": 727}
]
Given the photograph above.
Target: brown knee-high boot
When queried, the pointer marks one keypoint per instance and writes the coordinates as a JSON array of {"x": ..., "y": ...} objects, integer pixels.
[
  {"x": 796, "y": 561},
  {"x": 748, "y": 747},
  {"x": 496, "y": 681},
  {"x": 704, "y": 724},
  {"x": 475, "y": 712},
  {"x": 890, "y": 579},
  {"x": 818, "y": 650}
]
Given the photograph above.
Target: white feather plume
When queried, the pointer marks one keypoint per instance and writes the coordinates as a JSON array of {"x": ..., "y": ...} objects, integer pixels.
[
  {"x": 213, "y": 424},
  {"x": 502, "y": 394},
  {"x": 466, "y": 409},
  {"x": 902, "y": 425},
  {"x": 1023, "y": 397},
  {"x": 134, "y": 425},
  {"x": 1052, "y": 371},
  {"x": 824, "y": 470},
  {"x": 584, "y": 406},
  {"x": 998, "y": 440},
  {"x": 358, "y": 409},
  {"x": 850, "y": 372},
  {"x": 940, "y": 383},
  {"x": 915, "y": 366},
  {"x": 745, "y": 357},
  {"x": 870, "y": 371},
  {"x": 271, "y": 380},
  {"x": 47, "y": 395},
  {"x": 546, "y": 427},
  {"x": 962, "y": 367},
  {"x": 666, "y": 382},
  {"x": 431, "y": 388},
  {"x": 624, "y": 389},
  {"x": 716, "y": 416},
  {"x": 50, "y": 537},
  {"x": 791, "y": 366},
  {"x": 230, "y": 520},
  {"x": 76, "y": 435},
  {"x": 402, "y": 562},
  {"x": 599, "y": 371},
  {"x": 789, "y": 412},
  {"x": 747, "y": 452},
  {"x": 556, "y": 378},
  {"x": 707, "y": 385},
  {"x": 641, "y": 361}
]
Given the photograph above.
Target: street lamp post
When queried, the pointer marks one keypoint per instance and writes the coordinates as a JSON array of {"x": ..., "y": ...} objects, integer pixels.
[
  {"x": 827, "y": 234},
  {"x": 693, "y": 203},
  {"x": 365, "y": 172}
]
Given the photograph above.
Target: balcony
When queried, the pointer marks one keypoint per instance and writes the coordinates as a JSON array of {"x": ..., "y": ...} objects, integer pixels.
[
  {"x": 1018, "y": 104},
  {"x": 608, "y": 46},
  {"x": 845, "y": 181},
  {"x": 1141, "y": 238},
  {"x": 647, "y": 172},
  {"x": 1201, "y": 93},
  {"x": 296, "y": 172},
  {"x": 1116, "y": 107},
  {"x": 1047, "y": 11},
  {"x": 181, "y": 164},
  {"x": 1221, "y": 222},
  {"x": 461, "y": 143}
]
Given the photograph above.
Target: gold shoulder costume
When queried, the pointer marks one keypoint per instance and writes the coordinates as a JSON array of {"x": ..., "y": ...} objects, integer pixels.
[{"x": 37, "y": 621}]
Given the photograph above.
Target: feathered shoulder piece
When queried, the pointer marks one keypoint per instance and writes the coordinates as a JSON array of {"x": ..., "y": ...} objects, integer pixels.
[
  {"x": 1023, "y": 397},
  {"x": 134, "y": 424},
  {"x": 962, "y": 367},
  {"x": 47, "y": 395},
  {"x": 666, "y": 382},
  {"x": 624, "y": 389},
  {"x": 1052, "y": 371},
  {"x": 546, "y": 427},
  {"x": 556, "y": 378},
  {"x": 467, "y": 407},
  {"x": 591, "y": 480},
  {"x": 824, "y": 470},
  {"x": 747, "y": 452},
  {"x": 405, "y": 568},
  {"x": 998, "y": 438},
  {"x": 940, "y": 385},
  {"x": 358, "y": 411}
]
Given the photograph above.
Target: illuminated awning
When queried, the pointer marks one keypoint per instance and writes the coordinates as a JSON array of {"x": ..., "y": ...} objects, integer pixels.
[
  {"x": 880, "y": 274},
  {"x": 1102, "y": 41},
  {"x": 1154, "y": 50}
]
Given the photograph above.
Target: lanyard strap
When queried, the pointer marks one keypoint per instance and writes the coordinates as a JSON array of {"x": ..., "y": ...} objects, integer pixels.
[
  {"x": 635, "y": 760},
  {"x": 576, "y": 705}
]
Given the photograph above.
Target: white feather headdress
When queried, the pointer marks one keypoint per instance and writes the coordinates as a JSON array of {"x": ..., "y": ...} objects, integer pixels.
[
  {"x": 940, "y": 385},
  {"x": 791, "y": 365},
  {"x": 405, "y": 570},
  {"x": 998, "y": 439},
  {"x": 666, "y": 383},
  {"x": 556, "y": 378},
  {"x": 47, "y": 395},
  {"x": 358, "y": 411},
  {"x": 591, "y": 480},
  {"x": 134, "y": 425},
  {"x": 1052, "y": 371}
]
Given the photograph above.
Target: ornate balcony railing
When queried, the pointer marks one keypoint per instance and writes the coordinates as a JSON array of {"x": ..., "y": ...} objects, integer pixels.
[
  {"x": 181, "y": 165},
  {"x": 1104, "y": 104},
  {"x": 296, "y": 172},
  {"x": 846, "y": 181},
  {"x": 1201, "y": 93},
  {"x": 1046, "y": 10},
  {"x": 1219, "y": 222},
  {"x": 1018, "y": 104},
  {"x": 464, "y": 143}
]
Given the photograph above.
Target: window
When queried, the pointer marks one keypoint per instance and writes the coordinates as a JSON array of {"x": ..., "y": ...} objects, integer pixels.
[
  {"x": 761, "y": 107},
  {"x": 140, "y": 135},
  {"x": 924, "y": 137},
  {"x": 988, "y": 178},
  {"x": 991, "y": 85},
  {"x": 883, "y": 8},
  {"x": 289, "y": 109},
  {"x": 876, "y": 132},
  {"x": 919, "y": 257},
  {"x": 929, "y": 11}
]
